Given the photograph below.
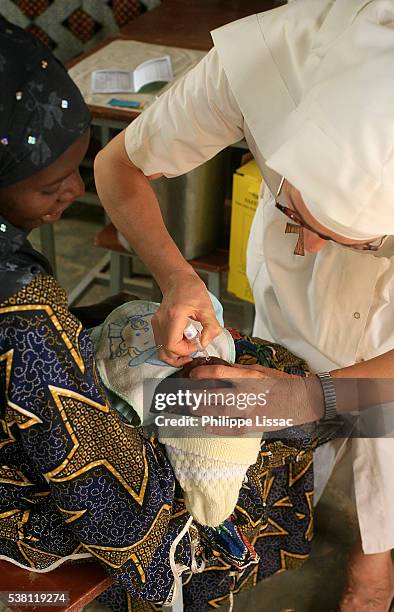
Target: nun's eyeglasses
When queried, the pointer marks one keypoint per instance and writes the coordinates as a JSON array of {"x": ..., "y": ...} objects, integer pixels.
[{"x": 373, "y": 245}]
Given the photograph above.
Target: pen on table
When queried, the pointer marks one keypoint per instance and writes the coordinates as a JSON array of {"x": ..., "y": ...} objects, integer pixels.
[{"x": 125, "y": 103}]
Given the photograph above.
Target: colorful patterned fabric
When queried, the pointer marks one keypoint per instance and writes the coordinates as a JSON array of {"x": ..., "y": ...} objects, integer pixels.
[
  {"x": 70, "y": 28},
  {"x": 77, "y": 481},
  {"x": 64, "y": 453},
  {"x": 231, "y": 542}
]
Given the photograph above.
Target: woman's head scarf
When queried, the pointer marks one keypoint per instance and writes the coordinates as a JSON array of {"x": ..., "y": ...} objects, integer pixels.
[{"x": 42, "y": 112}]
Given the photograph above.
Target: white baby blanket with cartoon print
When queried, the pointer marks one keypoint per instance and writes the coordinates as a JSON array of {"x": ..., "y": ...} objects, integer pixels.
[
  {"x": 210, "y": 470},
  {"x": 126, "y": 353}
]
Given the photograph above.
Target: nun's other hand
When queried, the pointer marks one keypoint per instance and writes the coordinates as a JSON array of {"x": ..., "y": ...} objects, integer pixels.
[
  {"x": 185, "y": 297},
  {"x": 237, "y": 371},
  {"x": 261, "y": 395}
]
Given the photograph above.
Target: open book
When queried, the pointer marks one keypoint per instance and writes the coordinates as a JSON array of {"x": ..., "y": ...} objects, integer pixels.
[{"x": 157, "y": 70}]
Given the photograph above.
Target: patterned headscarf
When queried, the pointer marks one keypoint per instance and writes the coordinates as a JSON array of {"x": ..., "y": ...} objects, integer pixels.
[{"x": 42, "y": 111}]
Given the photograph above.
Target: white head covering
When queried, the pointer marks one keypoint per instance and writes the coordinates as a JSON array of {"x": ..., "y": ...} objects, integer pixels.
[
  {"x": 340, "y": 149},
  {"x": 332, "y": 131}
]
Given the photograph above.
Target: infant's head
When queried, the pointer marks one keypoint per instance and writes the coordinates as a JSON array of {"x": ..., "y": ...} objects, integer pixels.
[{"x": 196, "y": 363}]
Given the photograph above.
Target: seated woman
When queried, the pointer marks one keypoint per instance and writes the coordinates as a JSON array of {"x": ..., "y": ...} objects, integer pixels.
[{"x": 77, "y": 480}]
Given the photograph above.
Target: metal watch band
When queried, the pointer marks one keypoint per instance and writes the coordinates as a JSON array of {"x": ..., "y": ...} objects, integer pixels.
[{"x": 329, "y": 395}]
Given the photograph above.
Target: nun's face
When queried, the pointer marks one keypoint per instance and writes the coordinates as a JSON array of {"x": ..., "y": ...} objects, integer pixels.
[
  {"x": 312, "y": 241},
  {"x": 43, "y": 197}
]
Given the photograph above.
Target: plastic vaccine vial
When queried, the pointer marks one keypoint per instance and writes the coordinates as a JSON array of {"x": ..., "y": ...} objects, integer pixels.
[{"x": 191, "y": 333}]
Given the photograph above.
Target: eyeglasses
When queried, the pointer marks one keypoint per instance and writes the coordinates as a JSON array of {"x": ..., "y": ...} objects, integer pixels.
[{"x": 373, "y": 245}]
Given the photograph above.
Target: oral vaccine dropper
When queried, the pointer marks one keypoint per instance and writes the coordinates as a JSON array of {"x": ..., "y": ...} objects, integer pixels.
[{"x": 192, "y": 334}]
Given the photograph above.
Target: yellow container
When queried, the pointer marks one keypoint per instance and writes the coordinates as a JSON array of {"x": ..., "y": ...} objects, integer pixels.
[{"x": 246, "y": 186}]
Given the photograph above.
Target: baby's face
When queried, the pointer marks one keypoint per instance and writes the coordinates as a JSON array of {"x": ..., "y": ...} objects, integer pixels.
[
  {"x": 193, "y": 383},
  {"x": 196, "y": 363}
]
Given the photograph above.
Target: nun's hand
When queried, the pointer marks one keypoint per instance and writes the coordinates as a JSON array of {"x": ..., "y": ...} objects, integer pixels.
[
  {"x": 185, "y": 297},
  {"x": 270, "y": 399}
]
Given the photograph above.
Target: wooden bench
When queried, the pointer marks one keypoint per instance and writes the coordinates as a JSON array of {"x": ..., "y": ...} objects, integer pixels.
[
  {"x": 212, "y": 265},
  {"x": 113, "y": 270},
  {"x": 83, "y": 581}
]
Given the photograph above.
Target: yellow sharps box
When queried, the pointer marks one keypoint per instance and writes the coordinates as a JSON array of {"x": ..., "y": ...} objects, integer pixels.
[{"x": 246, "y": 186}]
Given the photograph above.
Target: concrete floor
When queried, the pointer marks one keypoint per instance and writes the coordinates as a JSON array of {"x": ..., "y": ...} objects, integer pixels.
[{"x": 317, "y": 586}]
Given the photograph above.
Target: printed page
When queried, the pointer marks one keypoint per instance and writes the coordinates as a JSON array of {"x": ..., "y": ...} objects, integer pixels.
[
  {"x": 112, "y": 81},
  {"x": 154, "y": 70}
]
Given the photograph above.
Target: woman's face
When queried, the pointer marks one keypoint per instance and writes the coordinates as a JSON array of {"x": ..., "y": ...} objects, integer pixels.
[{"x": 43, "y": 197}]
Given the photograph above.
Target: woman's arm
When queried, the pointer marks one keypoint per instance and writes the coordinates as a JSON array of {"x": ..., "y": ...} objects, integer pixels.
[
  {"x": 133, "y": 207},
  {"x": 186, "y": 126},
  {"x": 358, "y": 387},
  {"x": 365, "y": 384}
]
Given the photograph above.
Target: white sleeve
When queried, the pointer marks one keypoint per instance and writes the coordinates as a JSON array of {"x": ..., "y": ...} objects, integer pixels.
[{"x": 189, "y": 124}]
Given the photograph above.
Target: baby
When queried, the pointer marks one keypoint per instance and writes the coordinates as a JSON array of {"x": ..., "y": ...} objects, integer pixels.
[{"x": 210, "y": 470}]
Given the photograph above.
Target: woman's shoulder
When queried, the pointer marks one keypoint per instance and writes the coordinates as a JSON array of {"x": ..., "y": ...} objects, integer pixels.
[
  {"x": 20, "y": 264},
  {"x": 37, "y": 327},
  {"x": 30, "y": 288}
]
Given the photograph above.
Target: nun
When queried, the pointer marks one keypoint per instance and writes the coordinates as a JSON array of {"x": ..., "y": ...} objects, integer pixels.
[
  {"x": 310, "y": 86},
  {"x": 79, "y": 482}
]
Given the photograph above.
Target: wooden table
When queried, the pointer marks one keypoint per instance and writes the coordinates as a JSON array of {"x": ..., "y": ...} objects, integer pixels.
[
  {"x": 176, "y": 23},
  {"x": 187, "y": 23}
]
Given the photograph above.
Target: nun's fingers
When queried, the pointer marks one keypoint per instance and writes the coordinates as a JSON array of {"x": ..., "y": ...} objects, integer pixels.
[
  {"x": 177, "y": 361},
  {"x": 263, "y": 371},
  {"x": 238, "y": 371},
  {"x": 214, "y": 371},
  {"x": 179, "y": 353}
]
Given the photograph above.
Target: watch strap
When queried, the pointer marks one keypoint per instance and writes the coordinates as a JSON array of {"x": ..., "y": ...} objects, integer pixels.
[{"x": 329, "y": 395}]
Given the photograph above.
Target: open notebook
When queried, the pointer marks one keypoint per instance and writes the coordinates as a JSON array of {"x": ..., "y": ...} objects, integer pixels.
[{"x": 127, "y": 55}]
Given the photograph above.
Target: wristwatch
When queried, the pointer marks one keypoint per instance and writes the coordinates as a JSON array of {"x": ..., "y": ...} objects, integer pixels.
[{"x": 329, "y": 395}]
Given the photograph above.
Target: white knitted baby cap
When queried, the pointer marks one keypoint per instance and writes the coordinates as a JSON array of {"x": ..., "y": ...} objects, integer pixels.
[{"x": 211, "y": 471}]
